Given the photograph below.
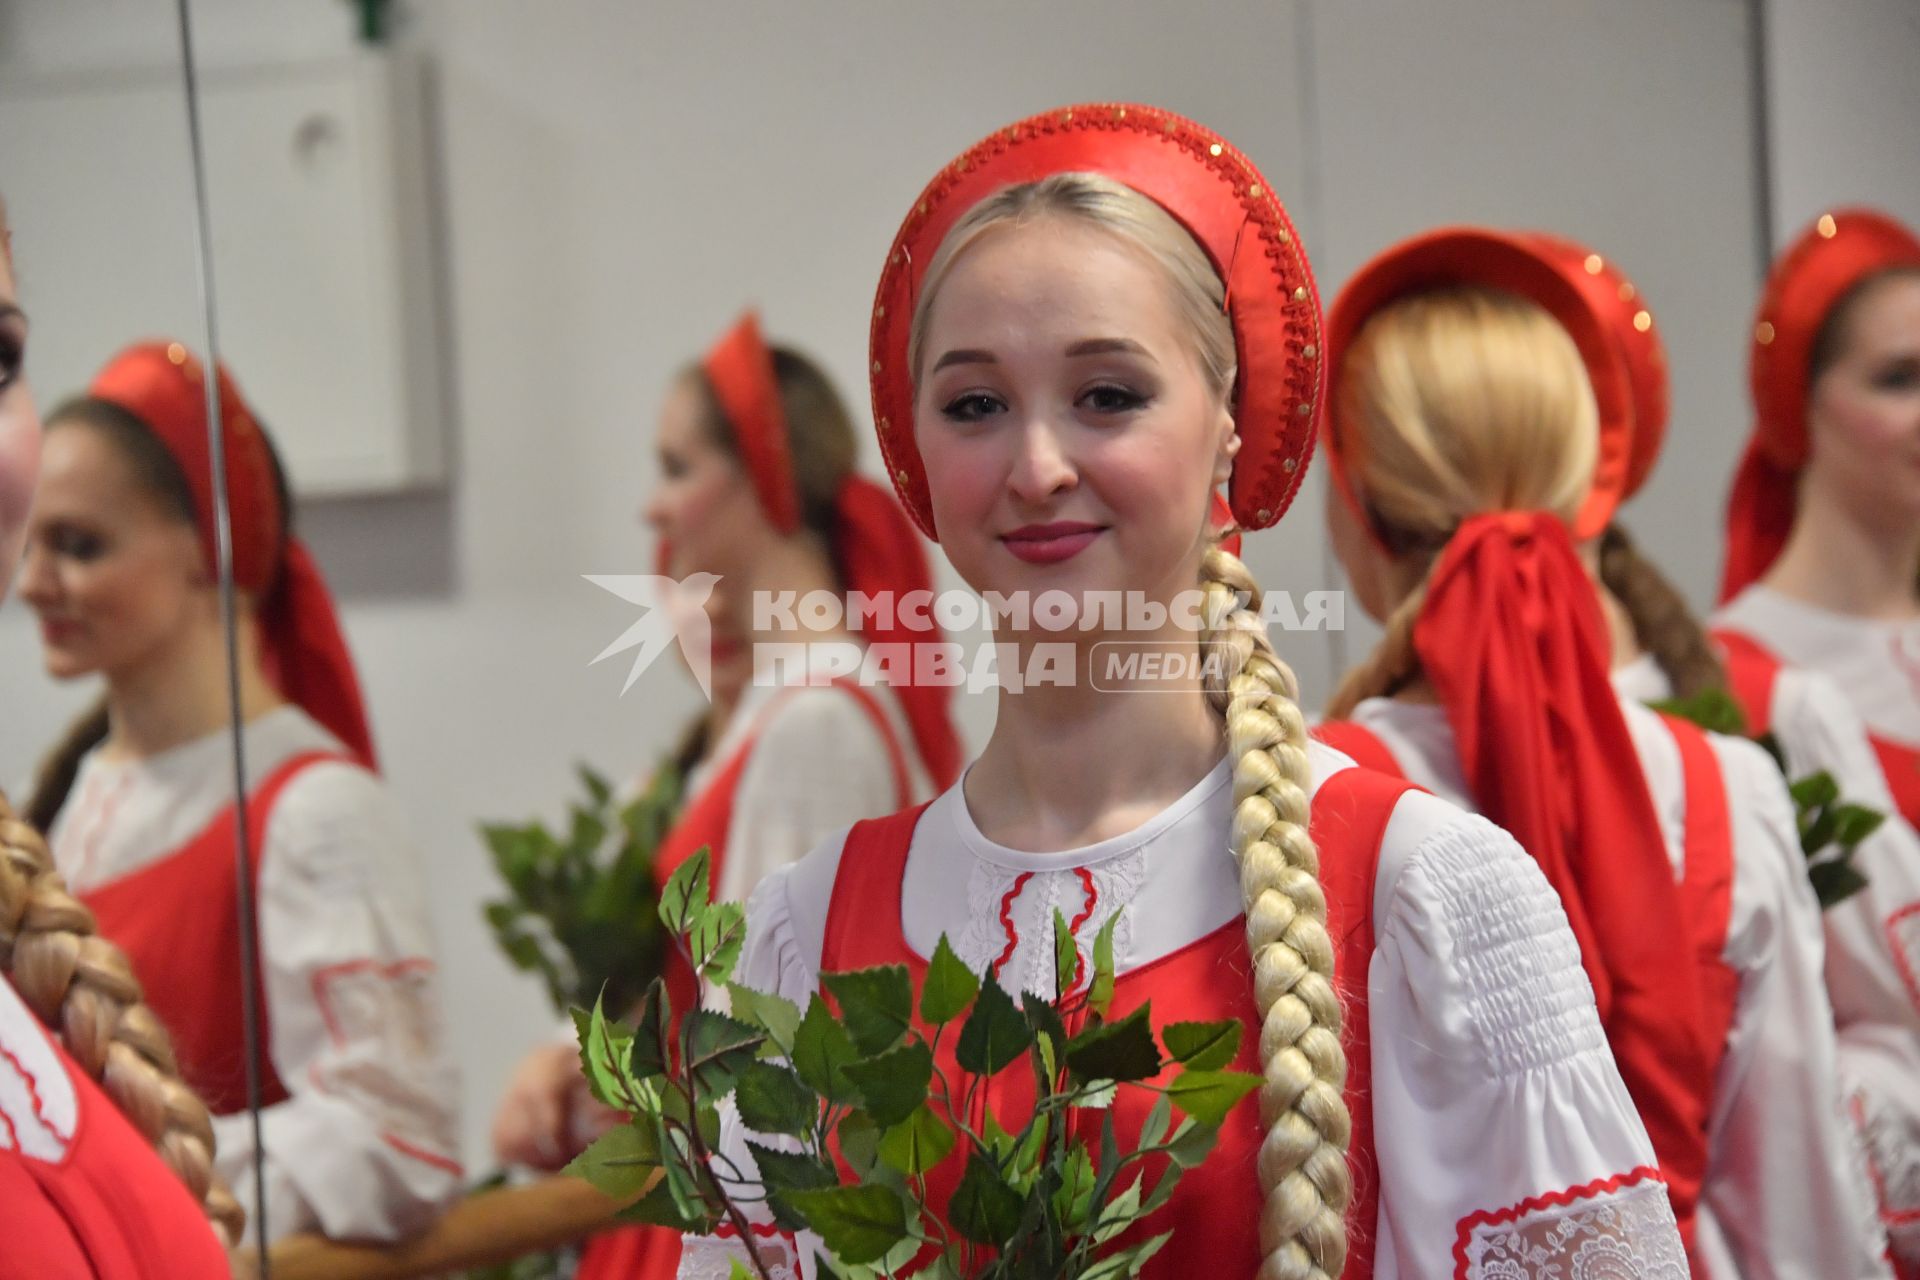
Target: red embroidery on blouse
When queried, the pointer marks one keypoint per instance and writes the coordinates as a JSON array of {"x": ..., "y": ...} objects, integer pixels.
[
  {"x": 1086, "y": 914},
  {"x": 33, "y": 1092},
  {"x": 1006, "y": 919},
  {"x": 1463, "y": 1234},
  {"x": 322, "y": 981}
]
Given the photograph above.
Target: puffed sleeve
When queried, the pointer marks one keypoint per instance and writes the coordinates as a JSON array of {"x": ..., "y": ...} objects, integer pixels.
[
  {"x": 366, "y": 1145},
  {"x": 1785, "y": 1192},
  {"x": 1507, "y": 1143},
  {"x": 1872, "y": 949},
  {"x": 823, "y": 760}
]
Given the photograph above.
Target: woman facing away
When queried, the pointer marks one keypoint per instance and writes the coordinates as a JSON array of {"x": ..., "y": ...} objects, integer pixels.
[
  {"x": 1090, "y": 320},
  {"x": 84, "y": 1193},
  {"x": 1483, "y": 423},
  {"x": 1823, "y": 580},
  {"x": 358, "y": 1126},
  {"x": 757, "y": 491}
]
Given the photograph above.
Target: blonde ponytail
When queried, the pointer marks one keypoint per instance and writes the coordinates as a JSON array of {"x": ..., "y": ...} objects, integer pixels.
[
  {"x": 1663, "y": 623},
  {"x": 82, "y": 987},
  {"x": 1303, "y": 1171}
]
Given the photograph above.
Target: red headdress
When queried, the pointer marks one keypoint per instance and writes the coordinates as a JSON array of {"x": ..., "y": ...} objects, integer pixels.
[
  {"x": 1832, "y": 256},
  {"x": 305, "y": 655},
  {"x": 1210, "y": 189},
  {"x": 1512, "y": 639},
  {"x": 874, "y": 545}
]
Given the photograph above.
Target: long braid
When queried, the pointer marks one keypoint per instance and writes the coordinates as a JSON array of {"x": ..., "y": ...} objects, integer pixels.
[
  {"x": 53, "y": 781},
  {"x": 82, "y": 987},
  {"x": 1303, "y": 1170},
  {"x": 1662, "y": 621}
]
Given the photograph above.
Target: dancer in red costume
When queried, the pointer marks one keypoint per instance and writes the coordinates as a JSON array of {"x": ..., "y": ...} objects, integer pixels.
[
  {"x": 1090, "y": 320},
  {"x": 359, "y": 1127},
  {"x": 83, "y": 1196},
  {"x": 1483, "y": 425},
  {"x": 1823, "y": 558},
  {"x": 757, "y": 487}
]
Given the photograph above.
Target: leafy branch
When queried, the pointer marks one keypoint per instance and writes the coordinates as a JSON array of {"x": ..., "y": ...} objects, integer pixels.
[{"x": 870, "y": 1115}]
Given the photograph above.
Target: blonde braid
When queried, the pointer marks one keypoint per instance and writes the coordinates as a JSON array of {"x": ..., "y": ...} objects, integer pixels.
[
  {"x": 1663, "y": 622},
  {"x": 1393, "y": 662},
  {"x": 82, "y": 987},
  {"x": 1304, "y": 1178}
]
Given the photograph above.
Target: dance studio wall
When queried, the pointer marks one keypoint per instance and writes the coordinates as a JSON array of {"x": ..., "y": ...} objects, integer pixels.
[{"x": 615, "y": 181}]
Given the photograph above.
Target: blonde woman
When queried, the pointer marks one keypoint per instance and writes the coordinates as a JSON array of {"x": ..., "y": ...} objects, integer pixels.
[
  {"x": 82, "y": 1060},
  {"x": 1483, "y": 425},
  {"x": 1060, "y": 383}
]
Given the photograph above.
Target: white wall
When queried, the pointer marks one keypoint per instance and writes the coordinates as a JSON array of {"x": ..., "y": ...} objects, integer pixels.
[
  {"x": 1843, "y": 108},
  {"x": 616, "y": 181}
]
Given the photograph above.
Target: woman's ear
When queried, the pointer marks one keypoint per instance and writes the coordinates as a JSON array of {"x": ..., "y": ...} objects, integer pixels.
[{"x": 1229, "y": 449}]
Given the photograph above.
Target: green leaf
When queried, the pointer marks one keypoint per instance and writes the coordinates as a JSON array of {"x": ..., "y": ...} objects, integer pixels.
[
  {"x": 875, "y": 1004},
  {"x": 994, "y": 1034},
  {"x": 822, "y": 1052},
  {"x": 1066, "y": 956},
  {"x": 778, "y": 1016},
  {"x": 1073, "y": 1200},
  {"x": 603, "y": 1047},
  {"x": 1117, "y": 1214},
  {"x": 1096, "y": 1095},
  {"x": 1855, "y": 822},
  {"x": 859, "y": 1224},
  {"x": 1203, "y": 1046},
  {"x": 1207, "y": 1096},
  {"x": 1835, "y": 881},
  {"x": 772, "y": 1099},
  {"x": 859, "y": 1143},
  {"x": 717, "y": 938},
  {"x": 1044, "y": 1020},
  {"x": 1154, "y": 1130},
  {"x": 1815, "y": 791},
  {"x": 1127, "y": 1262},
  {"x": 737, "y": 1270},
  {"x": 651, "y": 1032},
  {"x": 1714, "y": 710},
  {"x": 621, "y": 1161},
  {"x": 1100, "y": 993},
  {"x": 984, "y": 1208},
  {"x": 597, "y": 786},
  {"x": 1818, "y": 834},
  {"x": 685, "y": 899},
  {"x": 950, "y": 986},
  {"x": 1192, "y": 1142},
  {"x": 783, "y": 1174},
  {"x": 717, "y": 1047},
  {"x": 917, "y": 1143},
  {"x": 1123, "y": 1050},
  {"x": 659, "y": 1208},
  {"x": 894, "y": 1084}
]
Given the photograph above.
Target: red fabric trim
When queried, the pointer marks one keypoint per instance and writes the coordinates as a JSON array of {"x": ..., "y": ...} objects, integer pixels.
[
  {"x": 1086, "y": 914},
  {"x": 424, "y": 1156},
  {"x": 1892, "y": 1217},
  {"x": 1463, "y": 1234},
  {"x": 1360, "y": 744},
  {"x": 1752, "y": 672},
  {"x": 1006, "y": 919},
  {"x": 33, "y": 1092},
  {"x": 739, "y": 369}
]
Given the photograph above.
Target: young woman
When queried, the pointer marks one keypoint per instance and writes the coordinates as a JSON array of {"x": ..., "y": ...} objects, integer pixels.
[
  {"x": 1482, "y": 425},
  {"x": 1823, "y": 575},
  {"x": 757, "y": 488},
  {"x": 1090, "y": 320},
  {"x": 83, "y": 1193},
  {"x": 359, "y": 1120}
]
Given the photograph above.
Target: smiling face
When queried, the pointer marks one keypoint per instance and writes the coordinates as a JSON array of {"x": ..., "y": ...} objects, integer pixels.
[
  {"x": 1071, "y": 435},
  {"x": 115, "y": 571},
  {"x": 19, "y": 424},
  {"x": 1863, "y": 413}
]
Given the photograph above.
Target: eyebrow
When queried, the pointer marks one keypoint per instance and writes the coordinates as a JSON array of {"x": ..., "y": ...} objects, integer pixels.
[{"x": 1090, "y": 347}]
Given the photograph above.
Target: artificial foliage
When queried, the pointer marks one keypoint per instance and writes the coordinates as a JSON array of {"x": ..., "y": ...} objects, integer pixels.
[
  {"x": 849, "y": 1110},
  {"x": 1831, "y": 828}
]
